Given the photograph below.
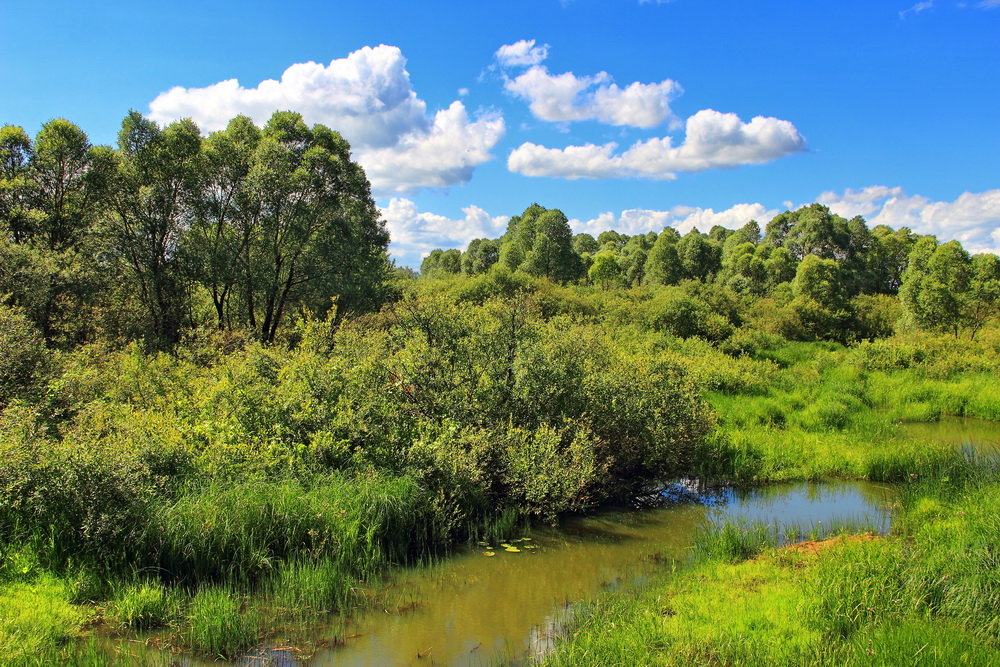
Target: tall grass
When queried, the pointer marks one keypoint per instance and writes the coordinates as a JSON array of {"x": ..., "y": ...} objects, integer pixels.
[{"x": 221, "y": 623}]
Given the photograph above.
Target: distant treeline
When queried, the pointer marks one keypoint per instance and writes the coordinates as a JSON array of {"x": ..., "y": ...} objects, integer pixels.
[
  {"x": 817, "y": 265},
  {"x": 172, "y": 229}
]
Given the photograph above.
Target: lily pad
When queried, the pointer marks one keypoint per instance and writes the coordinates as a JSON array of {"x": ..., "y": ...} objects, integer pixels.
[
  {"x": 513, "y": 550},
  {"x": 489, "y": 553}
]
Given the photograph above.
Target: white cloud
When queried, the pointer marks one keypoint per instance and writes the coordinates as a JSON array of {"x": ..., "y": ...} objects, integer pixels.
[
  {"x": 444, "y": 155},
  {"x": 368, "y": 97},
  {"x": 713, "y": 140},
  {"x": 682, "y": 218},
  {"x": 917, "y": 8},
  {"x": 567, "y": 97},
  {"x": 414, "y": 233},
  {"x": 972, "y": 218},
  {"x": 864, "y": 201},
  {"x": 524, "y": 53}
]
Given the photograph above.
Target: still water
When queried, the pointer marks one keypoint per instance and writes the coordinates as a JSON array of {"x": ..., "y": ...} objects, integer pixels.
[{"x": 475, "y": 609}]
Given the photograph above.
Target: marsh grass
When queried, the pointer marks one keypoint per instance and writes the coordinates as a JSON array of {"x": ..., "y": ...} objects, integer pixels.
[
  {"x": 221, "y": 623},
  {"x": 145, "y": 604},
  {"x": 309, "y": 587},
  {"x": 36, "y": 614}
]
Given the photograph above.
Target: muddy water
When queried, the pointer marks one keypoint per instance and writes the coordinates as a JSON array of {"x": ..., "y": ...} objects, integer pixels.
[{"x": 475, "y": 609}]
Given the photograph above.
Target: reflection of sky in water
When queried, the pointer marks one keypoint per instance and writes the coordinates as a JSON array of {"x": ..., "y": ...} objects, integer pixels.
[
  {"x": 807, "y": 505},
  {"x": 486, "y": 610}
]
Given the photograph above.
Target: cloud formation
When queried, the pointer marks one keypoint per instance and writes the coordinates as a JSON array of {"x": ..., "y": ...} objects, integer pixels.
[
  {"x": 567, "y": 97},
  {"x": 713, "y": 140},
  {"x": 414, "y": 233},
  {"x": 683, "y": 218},
  {"x": 369, "y": 98},
  {"x": 972, "y": 218},
  {"x": 524, "y": 53},
  {"x": 917, "y": 8}
]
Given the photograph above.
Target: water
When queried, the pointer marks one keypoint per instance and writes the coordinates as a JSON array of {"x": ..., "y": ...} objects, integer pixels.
[
  {"x": 474, "y": 609},
  {"x": 969, "y": 435}
]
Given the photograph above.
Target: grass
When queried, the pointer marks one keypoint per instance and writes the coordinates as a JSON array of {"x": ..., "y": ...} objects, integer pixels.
[
  {"x": 221, "y": 623},
  {"x": 241, "y": 550},
  {"x": 36, "y": 615},
  {"x": 928, "y": 594},
  {"x": 144, "y": 605},
  {"x": 312, "y": 586}
]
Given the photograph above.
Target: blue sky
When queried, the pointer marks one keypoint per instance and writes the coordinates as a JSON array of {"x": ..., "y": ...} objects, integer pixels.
[{"x": 622, "y": 113}]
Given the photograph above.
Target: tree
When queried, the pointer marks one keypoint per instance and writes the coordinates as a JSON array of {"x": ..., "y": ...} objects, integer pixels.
[
  {"x": 585, "y": 243},
  {"x": 984, "y": 291},
  {"x": 889, "y": 257},
  {"x": 519, "y": 238},
  {"x": 480, "y": 256},
  {"x": 223, "y": 225},
  {"x": 605, "y": 270},
  {"x": 700, "y": 257},
  {"x": 945, "y": 290},
  {"x": 551, "y": 254},
  {"x": 632, "y": 259},
  {"x": 156, "y": 173},
  {"x": 71, "y": 178},
  {"x": 663, "y": 265},
  {"x": 820, "y": 280},
  {"x": 779, "y": 267},
  {"x": 820, "y": 302},
  {"x": 317, "y": 237},
  {"x": 16, "y": 186}
]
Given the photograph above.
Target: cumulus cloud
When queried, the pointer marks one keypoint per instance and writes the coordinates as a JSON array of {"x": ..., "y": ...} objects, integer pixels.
[
  {"x": 524, "y": 53},
  {"x": 683, "y": 218},
  {"x": 568, "y": 97},
  {"x": 443, "y": 155},
  {"x": 863, "y": 201},
  {"x": 972, "y": 218},
  {"x": 713, "y": 140},
  {"x": 369, "y": 98},
  {"x": 415, "y": 233}
]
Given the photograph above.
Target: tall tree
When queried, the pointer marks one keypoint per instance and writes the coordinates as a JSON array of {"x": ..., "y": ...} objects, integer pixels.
[
  {"x": 156, "y": 174},
  {"x": 16, "y": 184},
  {"x": 663, "y": 265},
  {"x": 224, "y": 214},
  {"x": 72, "y": 178},
  {"x": 317, "y": 237}
]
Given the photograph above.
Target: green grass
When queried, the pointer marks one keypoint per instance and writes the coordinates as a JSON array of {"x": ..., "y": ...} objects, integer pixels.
[
  {"x": 36, "y": 615},
  {"x": 221, "y": 623},
  {"x": 143, "y": 605},
  {"x": 305, "y": 586}
]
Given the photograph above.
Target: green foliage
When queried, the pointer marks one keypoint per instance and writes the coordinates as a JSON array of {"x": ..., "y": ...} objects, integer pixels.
[{"x": 22, "y": 355}]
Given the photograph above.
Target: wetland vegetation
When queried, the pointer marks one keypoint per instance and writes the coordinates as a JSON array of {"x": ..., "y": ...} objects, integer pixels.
[{"x": 224, "y": 413}]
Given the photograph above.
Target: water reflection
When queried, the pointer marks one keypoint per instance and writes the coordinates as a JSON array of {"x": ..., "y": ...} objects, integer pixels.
[{"x": 473, "y": 609}]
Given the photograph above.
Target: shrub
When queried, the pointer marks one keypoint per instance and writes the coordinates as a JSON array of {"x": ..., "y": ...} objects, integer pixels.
[{"x": 22, "y": 354}]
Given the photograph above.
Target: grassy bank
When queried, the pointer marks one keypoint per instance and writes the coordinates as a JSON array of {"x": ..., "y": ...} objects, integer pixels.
[{"x": 927, "y": 594}]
